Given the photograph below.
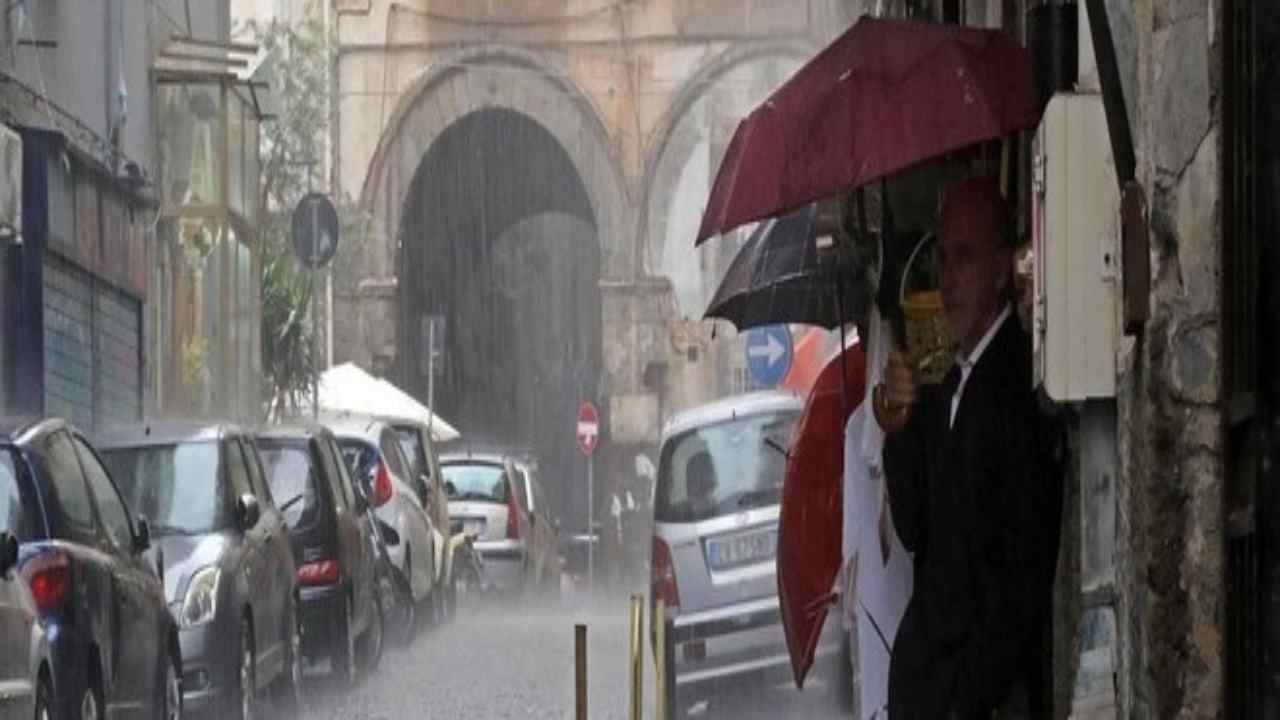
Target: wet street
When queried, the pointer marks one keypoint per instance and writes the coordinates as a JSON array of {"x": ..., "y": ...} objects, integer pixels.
[{"x": 496, "y": 662}]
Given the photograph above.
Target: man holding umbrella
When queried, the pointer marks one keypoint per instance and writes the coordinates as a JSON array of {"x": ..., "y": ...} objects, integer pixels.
[{"x": 973, "y": 493}]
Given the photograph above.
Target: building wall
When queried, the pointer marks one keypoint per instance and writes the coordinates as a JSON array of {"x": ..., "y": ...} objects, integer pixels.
[
  {"x": 643, "y": 97},
  {"x": 1170, "y": 506}
]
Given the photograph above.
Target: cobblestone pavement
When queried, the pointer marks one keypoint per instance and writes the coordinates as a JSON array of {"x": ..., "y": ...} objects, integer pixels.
[{"x": 507, "y": 660}]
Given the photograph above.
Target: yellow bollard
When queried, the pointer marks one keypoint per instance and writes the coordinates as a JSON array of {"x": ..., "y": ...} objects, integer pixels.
[
  {"x": 659, "y": 626},
  {"x": 637, "y": 657},
  {"x": 580, "y": 670}
]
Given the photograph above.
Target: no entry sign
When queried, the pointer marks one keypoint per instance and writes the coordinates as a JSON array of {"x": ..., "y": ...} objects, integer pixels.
[{"x": 588, "y": 428}]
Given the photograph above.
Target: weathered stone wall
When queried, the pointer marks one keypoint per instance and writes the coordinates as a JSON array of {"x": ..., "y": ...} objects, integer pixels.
[{"x": 1170, "y": 530}]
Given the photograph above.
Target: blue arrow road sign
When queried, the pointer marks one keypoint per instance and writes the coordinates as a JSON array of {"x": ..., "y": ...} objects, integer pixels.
[{"x": 769, "y": 354}]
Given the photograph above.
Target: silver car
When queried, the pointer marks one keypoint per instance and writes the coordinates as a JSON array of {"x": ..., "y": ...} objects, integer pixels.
[
  {"x": 716, "y": 507},
  {"x": 498, "y": 501}
]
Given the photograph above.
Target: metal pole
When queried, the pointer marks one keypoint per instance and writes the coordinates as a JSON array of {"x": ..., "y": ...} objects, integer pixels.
[
  {"x": 637, "y": 656},
  {"x": 660, "y": 658},
  {"x": 315, "y": 305},
  {"x": 580, "y": 670},
  {"x": 431, "y": 375},
  {"x": 591, "y": 523}
]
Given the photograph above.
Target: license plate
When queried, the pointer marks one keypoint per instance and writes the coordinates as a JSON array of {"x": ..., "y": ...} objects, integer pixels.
[
  {"x": 473, "y": 527},
  {"x": 741, "y": 549}
]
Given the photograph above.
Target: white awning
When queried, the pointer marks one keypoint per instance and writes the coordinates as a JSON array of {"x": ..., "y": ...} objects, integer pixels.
[{"x": 348, "y": 390}]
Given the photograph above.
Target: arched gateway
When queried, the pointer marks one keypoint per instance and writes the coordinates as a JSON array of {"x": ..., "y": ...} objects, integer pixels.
[{"x": 503, "y": 208}]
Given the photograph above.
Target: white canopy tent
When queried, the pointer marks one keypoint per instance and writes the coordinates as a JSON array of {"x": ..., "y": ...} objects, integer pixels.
[{"x": 348, "y": 390}]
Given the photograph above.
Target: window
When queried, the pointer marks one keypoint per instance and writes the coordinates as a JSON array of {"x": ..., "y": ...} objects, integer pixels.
[
  {"x": 17, "y": 512},
  {"x": 236, "y": 471},
  {"x": 484, "y": 482},
  {"x": 176, "y": 487},
  {"x": 411, "y": 444},
  {"x": 57, "y": 458},
  {"x": 293, "y": 480},
  {"x": 390, "y": 447},
  {"x": 253, "y": 463},
  {"x": 344, "y": 494},
  {"x": 115, "y": 517},
  {"x": 723, "y": 468}
]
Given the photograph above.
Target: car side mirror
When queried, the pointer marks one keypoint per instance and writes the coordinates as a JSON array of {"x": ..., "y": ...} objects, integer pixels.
[
  {"x": 247, "y": 511},
  {"x": 8, "y": 552},
  {"x": 142, "y": 535}
]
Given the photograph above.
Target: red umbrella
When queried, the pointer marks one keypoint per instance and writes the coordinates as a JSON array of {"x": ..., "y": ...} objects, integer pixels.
[
  {"x": 884, "y": 96},
  {"x": 809, "y": 549}
]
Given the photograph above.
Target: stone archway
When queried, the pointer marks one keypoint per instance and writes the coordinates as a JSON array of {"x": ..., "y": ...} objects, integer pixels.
[
  {"x": 496, "y": 171},
  {"x": 487, "y": 76}
]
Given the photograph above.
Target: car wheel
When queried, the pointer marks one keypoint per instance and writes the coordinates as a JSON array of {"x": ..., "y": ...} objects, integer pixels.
[
  {"x": 289, "y": 692},
  {"x": 342, "y": 650},
  {"x": 44, "y": 698},
  {"x": 91, "y": 705},
  {"x": 171, "y": 690},
  {"x": 371, "y": 643},
  {"x": 246, "y": 688}
]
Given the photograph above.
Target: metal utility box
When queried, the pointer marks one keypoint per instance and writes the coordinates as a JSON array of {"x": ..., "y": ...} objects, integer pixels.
[{"x": 1075, "y": 207}]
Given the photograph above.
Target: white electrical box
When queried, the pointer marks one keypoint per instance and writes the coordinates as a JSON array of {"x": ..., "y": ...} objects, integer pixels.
[{"x": 1075, "y": 210}]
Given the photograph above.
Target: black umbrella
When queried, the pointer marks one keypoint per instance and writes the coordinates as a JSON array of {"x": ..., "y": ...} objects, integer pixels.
[{"x": 781, "y": 276}]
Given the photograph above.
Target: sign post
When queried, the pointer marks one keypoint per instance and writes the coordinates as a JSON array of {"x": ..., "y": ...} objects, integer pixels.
[
  {"x": 769, "y": 354},
  {"x": 314, "y": 227},
  {"x": 588, "y": 433}
]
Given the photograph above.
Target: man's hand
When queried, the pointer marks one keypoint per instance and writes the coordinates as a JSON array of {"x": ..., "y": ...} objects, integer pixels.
[{"x": 893, "y": 399}]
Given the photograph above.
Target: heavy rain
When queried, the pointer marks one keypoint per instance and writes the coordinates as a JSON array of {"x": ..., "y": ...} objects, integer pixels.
[{"x": 392, "y": 359}]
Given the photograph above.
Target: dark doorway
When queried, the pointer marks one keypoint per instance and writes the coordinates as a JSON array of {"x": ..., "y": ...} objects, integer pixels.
[{"x": 499, "y": 241}]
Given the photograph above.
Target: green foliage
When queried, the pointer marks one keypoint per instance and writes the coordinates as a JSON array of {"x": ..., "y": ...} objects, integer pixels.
[{"x": 293, "y": 145}]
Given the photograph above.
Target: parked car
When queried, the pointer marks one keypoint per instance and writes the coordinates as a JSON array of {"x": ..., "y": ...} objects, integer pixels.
[
  {"x": 334, "y": 545},
  {"x": 26, "y": 667},
  {"x": 499, "y": 503},
  {"x": 424, "y": 465},
  {"x": 374, "y": 456},
  {"x": 228, "y": 569},
  {"x": 716, "y": 507},
  {"x": 101, "y": 606}
]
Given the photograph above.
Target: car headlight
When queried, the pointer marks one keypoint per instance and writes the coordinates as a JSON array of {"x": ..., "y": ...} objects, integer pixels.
[{"x": 201, "y": 602}]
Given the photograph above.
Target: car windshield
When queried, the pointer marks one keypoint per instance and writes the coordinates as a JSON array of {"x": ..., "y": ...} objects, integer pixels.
[
  {"x": 176, "y": 487},
  {"x": 292, "y": 478},
  {"x": 723, "y": 468},
  {"x": 484, "y": 482}
]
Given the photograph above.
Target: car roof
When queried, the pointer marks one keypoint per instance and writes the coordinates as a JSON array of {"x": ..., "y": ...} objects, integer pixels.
[
  {"x": 730, "y": 408},
  {"x": 290, "y": 431},
  {"x": 165, "y": 432},
  {"x": 364, "y": 428},
  {"x": 14, "y": 429}
]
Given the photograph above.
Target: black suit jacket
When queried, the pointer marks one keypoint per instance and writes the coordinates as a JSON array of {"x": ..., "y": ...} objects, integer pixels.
[{"x": 979, "y": 505}]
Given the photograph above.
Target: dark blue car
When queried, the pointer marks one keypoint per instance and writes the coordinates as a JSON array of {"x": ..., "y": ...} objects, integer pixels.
[{"x": 113, "y": 643}]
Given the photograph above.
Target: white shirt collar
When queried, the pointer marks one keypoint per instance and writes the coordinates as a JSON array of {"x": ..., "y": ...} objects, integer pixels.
[{"x": 966, "y": 363}]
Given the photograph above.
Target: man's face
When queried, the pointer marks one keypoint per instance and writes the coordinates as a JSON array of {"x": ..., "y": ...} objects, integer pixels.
[{"x": 975, "y": 269}]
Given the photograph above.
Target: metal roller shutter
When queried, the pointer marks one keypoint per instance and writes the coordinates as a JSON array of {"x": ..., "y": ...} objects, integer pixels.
[{"x": 92, "y": 336}]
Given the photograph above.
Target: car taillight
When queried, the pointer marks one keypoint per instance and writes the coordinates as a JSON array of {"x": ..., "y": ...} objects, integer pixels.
[
  {"x": 382, "y": 488},
  {"x": 324, "y": 572},
  {"x": 662, "y": 580},
  {"x": 513, "y": 518},
  {"x": 49, "y": 575}
]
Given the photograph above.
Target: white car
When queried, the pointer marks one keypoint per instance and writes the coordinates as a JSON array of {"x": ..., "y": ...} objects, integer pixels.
[{"x": 373, "y": 452}]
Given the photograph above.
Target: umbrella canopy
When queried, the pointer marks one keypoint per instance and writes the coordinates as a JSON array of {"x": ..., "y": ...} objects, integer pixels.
[
  {"x": 884, "y": 96},
  {"x": 778, "y": 277},
  {"x": 348, "y": 389},
  {"x": 810, "y": 526}
]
